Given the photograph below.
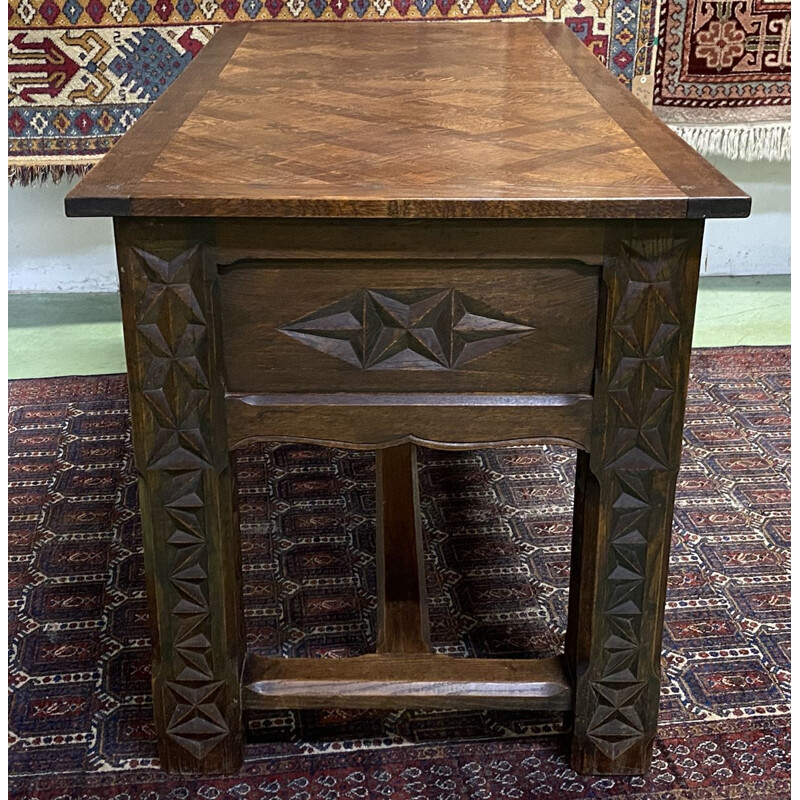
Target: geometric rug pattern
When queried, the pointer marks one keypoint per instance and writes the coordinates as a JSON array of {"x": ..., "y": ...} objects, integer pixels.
[{"x": 497, "y": 541}]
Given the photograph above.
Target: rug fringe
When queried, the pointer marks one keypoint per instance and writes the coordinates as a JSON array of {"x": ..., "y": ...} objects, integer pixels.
[
  {"x": 38, "y": 175},
  {"x": 751, "y": 141}
]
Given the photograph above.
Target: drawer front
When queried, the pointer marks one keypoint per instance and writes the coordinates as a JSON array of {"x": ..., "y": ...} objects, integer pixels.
[{"x": 405, "y": 325}]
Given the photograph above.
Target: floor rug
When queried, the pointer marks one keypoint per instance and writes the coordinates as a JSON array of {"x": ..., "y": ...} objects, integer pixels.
[
  {"x": 81, "y": 72},
  {"x": 497, "y": 529},
  {"x": 723, "y": 75}
]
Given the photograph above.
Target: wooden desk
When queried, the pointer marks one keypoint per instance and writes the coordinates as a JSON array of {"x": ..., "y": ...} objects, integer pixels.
[{"x": 381, "y": 235}]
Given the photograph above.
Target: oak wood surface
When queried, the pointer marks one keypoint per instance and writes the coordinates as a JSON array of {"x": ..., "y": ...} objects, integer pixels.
[
  {"x": 411, "y": 119},
  {"x": 405, "y": 681}
]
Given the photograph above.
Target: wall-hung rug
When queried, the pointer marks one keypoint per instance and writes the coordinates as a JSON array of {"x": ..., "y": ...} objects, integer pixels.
[
  {"x": 497, "y": 533},
  {"x": 81, "y": 72},
  {"x": 723, "y": 75}
]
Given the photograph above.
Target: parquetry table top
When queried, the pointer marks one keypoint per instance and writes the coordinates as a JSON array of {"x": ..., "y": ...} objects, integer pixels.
[{"x": 444, "y": 119}]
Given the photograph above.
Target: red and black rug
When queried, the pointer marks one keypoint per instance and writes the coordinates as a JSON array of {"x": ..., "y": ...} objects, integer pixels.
[{"x": 497, "y": 528}]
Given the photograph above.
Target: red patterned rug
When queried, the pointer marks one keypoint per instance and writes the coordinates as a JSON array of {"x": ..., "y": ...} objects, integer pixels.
[
  {"x": 723, "y": 75},
  {"x": 497, "y": 527}
]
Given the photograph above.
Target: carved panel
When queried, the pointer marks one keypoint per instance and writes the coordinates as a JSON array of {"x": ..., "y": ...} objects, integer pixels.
[
  {"x": 465, "y": 325},
  {"x": 412, "y": 329},
  {"x": 181, "y": 454}
]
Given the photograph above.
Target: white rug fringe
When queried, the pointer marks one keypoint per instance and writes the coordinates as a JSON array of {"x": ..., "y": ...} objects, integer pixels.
[{"x": 754, "y": 141}]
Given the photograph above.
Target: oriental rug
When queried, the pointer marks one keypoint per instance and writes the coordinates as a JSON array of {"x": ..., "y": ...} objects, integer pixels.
[
  {"x": 497, "y": 527},
  {"x": 723, "y": 75},
  {"x": 81, "y": 72}
]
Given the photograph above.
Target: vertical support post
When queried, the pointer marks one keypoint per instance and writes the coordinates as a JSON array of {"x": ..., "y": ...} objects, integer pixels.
[
  {"x": 402, "y": 598},
  {"x": 186, "y": 492},
  {"x": 625, "y": 490}
]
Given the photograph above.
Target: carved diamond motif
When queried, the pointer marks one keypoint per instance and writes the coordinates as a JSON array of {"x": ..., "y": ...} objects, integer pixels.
[{"x": 411, "y": 329}]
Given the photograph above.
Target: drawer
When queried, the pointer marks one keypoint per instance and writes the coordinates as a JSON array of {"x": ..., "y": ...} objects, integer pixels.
[{"x": 502, "y": 325}]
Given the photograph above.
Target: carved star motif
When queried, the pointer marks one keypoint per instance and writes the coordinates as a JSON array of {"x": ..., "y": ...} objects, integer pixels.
[
  {"x": 616, "y": 723},
  {"x": 407, "y": 330},
  {"x": 410, "y": 329},
  {"x": 197, "y": 722},
  {"x": 170, "y": 279}
]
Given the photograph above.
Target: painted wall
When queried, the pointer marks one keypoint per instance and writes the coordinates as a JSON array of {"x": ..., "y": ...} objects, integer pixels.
[
  {"x": 758, "y": 245},
  {"x": 49, "y": 253}
]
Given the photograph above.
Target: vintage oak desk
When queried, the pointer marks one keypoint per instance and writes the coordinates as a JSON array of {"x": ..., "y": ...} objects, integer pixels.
[{"x": 376, "y": 235}]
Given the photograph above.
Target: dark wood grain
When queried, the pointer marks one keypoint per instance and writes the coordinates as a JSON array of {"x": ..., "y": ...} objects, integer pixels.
[
  {"x": 275, "y": 336},
  {"x": 625, "y": 494},
  {"x": 416, "y": 120},
  {"x": 189, "y": 526},
  {"x": 403, "y": 625},
  {"x": 368, "y": 421},
  {"x": 405, "y": 681},
  {"x": 236, "y": 240}
]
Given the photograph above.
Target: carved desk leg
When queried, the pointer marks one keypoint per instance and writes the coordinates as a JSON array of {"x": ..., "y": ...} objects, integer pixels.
[
  {"x": 625, "y": 490},
  {"x": 191, "y": 540}
]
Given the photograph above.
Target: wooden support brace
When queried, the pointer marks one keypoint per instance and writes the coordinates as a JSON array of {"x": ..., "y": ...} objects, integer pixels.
[
  {"x": 402, "y": 599},
  {"x": 406, "y": 681}
]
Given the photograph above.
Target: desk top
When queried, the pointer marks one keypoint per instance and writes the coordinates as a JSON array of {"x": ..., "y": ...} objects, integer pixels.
[{"x": 407, "y": 119}]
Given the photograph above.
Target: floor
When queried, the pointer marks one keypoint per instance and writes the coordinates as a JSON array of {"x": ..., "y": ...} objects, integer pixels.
[{"x": 81, "y": 334}]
